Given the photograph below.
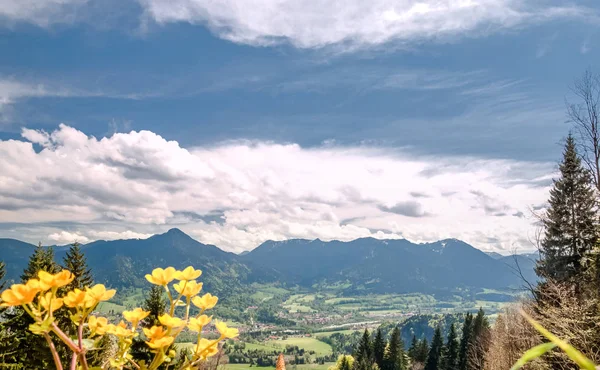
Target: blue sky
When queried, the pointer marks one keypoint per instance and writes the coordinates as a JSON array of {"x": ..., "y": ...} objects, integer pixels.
[{"x": 466, "y": 81}]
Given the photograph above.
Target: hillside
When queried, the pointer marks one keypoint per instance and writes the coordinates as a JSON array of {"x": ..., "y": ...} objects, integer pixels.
[
  {"x": 371, "y": 265},
  {"x": 386, "y": 265}
]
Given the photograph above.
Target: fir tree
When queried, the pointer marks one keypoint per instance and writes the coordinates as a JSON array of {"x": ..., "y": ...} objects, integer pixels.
[
  {"x": 479, "y": 340},
  {"x": 394, "y": 356},
  {"x": 435, "y": 351},
  {"x": 364, "y": 353},
  {"x": 75, "y": 262},
  {"x": 450, "y": 358},
  {"x": 29, "y": 348},
  {"x": 156, "y": 304},
  {"x": 414, "y": 347},
  {"x": 379, "y": 348},
  {"x": 570, "y": 224},
  {"x": 465, "y": 343},
  {"x": 423, "y": 351}
]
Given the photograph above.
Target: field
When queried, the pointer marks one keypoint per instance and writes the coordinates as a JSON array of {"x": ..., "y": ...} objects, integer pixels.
[
  {"x": 308, "y": 343},
  {"x": 288, "y": 366}
]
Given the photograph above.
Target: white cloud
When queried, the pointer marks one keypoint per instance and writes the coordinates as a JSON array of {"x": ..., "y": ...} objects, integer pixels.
[
  {"x": 39, "y": 12},
  {"x": 65, "y": 237},
  {"x": 354, "y": 22},
  {"x": 237, "y": 195}
]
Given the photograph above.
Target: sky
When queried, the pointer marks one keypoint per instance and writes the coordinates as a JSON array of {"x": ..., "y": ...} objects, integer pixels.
[{"x": 245, "y": 121}]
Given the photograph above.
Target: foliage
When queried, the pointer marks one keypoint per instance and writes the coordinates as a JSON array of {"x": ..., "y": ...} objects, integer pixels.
[
  {"x": 570, "y": 223},
  {"x": 394, "y": 356},
  {"x": 40, "y": 298},
  {"x": 435, "y": 351},
  {"x": 463, "y": 354},
  {"x": 379, "y": 348},
  {"x": 450, "y": 354},
  {"x": 75, "y": 262}
]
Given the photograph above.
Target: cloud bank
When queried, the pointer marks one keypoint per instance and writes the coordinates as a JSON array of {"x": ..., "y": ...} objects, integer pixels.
[
  {"x": 63, "y": 185},
  {"x": 321, "y": 23}
]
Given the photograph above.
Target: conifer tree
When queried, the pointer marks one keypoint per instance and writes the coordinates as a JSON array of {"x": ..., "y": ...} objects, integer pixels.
[
  {"x": 450, "y": 357},
  {"x": 479, "y": 340},
  {"x": 156, "y": 304},
  {"x": 423, "y": 351},
  {"x": 75, "y": 262},
  {"x": 570, "y": 223},
  {"x": 414, "y": 347},
  {"x": 364, "y": 353},
  {"x": 394, "y": 356},
  {"x": 465, "y": 342},
  {"x": 379, "y": 348},
  {"x": 29, "y": 348},
  {"x": 435, "y": 351}
]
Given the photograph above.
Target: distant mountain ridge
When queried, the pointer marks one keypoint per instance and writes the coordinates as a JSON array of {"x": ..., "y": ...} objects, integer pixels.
[
  {"x": 395, "y": 265},
  {"x": 370, "y": 265}
]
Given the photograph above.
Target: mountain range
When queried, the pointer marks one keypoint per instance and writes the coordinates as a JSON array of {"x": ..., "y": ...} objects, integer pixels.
[{"x": 365, "y": 265}]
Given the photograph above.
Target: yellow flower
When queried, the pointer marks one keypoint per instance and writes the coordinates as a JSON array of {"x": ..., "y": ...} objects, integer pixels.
[
  {"x": 97, "y": 325},
  {"x": 155, "y": 332},
  {"x": 205, "y": 302},
  {"x": 76, "y": 298},
  {"x": 48, "y": 301},
  {"x": 120, "y": 330},
  {"x": 171, "y": 322},
  {"x": 161, "y": 276},
  {"x": 188, "y": 274},
  {"x": 135, "y": 316},
  {"x": 188, "y": 288},
  {"x": 48, "y": 281},
  {"x": 18, "y": 294},
  {"x": 160, "y": 343},
  {"x": 196, "y": 324},
  {"x": 98, "y": 293},
  {"x": 226, "y": 332},
  {"x": 206, "y": 348}
]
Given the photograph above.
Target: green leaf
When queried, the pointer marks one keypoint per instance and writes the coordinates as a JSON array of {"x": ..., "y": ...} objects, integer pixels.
[
  {"x": 532, "y": 354},
  {"x": 577, "y": 357},
  {"x": 89, "y": 344}
]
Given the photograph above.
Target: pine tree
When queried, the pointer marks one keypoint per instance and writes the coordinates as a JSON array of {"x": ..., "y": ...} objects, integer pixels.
[
  {"x": 29, "y": 348},
  {"x": 465, "y": 342},
  {"x": 75, "y": 262},
  {"x": 435, "y": 351},
  {"x": 379, "y": 348},
  {"x": 414, "y": 347},
  {"x": 364, "y": 353},
  {"x": 479, "y": 341},
  {"x": 156, "y": 304},
  {"x": 570, "y": 224},
  {"x": 394, "y": 356},
  {"x": 450, "y": 357},
  {"x": 423, "y": 351}
]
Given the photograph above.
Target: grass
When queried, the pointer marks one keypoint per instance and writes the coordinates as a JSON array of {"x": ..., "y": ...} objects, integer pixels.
[
  {"x": 308, "y": 343},
  {"x": 295, "y": 307},
  {"x": 105, "y": 307},
  {"x": 325, "y": 334},
  {"x": 288, "y": 366}
]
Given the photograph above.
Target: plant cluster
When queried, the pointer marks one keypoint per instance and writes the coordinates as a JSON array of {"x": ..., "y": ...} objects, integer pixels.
[{"x": 41, "y": 297}]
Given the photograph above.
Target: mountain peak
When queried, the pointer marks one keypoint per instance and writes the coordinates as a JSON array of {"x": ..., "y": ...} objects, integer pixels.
[{"x": 175, "y": 231}]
